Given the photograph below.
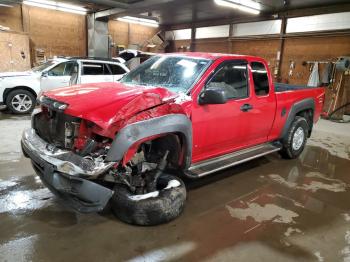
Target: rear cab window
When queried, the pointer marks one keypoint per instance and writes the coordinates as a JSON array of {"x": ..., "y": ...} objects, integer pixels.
[{"x": 260, "y": 79}]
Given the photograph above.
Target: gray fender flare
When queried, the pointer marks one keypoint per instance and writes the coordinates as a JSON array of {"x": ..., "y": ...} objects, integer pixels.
[
  {"x": 302, "y": 105},
  {"x": 130, "y": 134}
]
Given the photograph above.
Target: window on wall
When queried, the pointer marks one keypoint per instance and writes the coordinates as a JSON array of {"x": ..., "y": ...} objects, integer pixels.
[
  {"x": 260, "y": 78},
  {"x": 233, "y": 78}
]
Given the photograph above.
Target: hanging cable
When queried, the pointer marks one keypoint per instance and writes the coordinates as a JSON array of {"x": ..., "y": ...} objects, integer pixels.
[{"x": 329, "y": 117}]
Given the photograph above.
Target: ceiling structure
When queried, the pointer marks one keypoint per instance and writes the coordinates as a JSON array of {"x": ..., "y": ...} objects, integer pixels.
[
  {"x": 175, "y": 12},
  {"x": 172, "y": 12}
]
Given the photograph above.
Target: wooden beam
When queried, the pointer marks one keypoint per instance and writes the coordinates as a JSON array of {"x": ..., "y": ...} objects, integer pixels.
[
  {"x": 193, "y": 40},
  {"x": 229, "y": 42},
  {"x": 281, "y": 48},
  {"x": 338, "y": 8}
]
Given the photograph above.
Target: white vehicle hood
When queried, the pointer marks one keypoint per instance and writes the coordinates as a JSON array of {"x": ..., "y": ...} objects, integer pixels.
[{"x": 16, "y": 74}]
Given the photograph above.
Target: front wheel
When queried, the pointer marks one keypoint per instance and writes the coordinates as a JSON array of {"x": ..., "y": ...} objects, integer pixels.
[
  {"x": 154, "y": 208},
  {"x": 294, "y": 143},
  {"x": 20, "y": 101}
]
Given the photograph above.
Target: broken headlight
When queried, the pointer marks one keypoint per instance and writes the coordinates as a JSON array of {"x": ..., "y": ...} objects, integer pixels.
[{"x": 50, "y": 103}]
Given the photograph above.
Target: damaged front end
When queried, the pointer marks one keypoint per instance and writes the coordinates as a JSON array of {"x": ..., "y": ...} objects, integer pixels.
[
  {"x": 67, "y": 160},
  {"x": 82, "y": 161},
  {"x": 64, "y": 161}
]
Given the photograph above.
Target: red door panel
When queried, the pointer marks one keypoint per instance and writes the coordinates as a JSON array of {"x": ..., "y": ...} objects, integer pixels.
[
  {"x": 223, "y": 128},
  {"x": 220, "y": 128}
]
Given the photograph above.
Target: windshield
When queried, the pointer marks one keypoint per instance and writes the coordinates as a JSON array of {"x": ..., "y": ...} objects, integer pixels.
[
  {"x": 42, "y": 67},
  {"x": 176, "y": 73}
]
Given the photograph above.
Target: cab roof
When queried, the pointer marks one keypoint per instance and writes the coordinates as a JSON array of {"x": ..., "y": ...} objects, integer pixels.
[{"x": 212, "y": 56}]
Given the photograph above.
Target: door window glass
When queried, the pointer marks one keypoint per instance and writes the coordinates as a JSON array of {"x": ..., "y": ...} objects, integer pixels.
[
  {"x": 261, "y": 79},
  {"x": 106, "y": 70},
  {"x": 233, "y": 79},
  {"x": 93, "y": 68},
  {"x": 62, "y": 69},
  {"x": 57, "y": 70},
  {"x": 69, "y": 68},
  {"x": 116, "y": 69}
]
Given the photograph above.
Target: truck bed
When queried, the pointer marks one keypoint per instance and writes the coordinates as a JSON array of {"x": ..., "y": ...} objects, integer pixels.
[{"x": 281, "y": 87}]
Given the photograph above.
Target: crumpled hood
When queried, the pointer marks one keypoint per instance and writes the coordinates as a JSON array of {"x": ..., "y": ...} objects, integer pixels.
[
  {"x": 16, "y": 74},
  {"x": 103, "y": 103}
]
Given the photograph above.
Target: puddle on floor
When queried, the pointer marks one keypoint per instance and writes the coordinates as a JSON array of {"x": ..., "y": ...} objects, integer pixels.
[
  {"x": 267, "y": 209},
  {"x": 268, "y": 212}
]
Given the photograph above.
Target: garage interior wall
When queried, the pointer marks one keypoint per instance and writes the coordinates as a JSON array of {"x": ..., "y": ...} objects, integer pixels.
[
  {"x": 53, "y": 32},
  {"x": 14, "y": 52},
  {"x": 130, "y": 35},
  {"x": 322, "y": 44},
  {"x": 297, "y": 50},
  {"x": 11, "y": 17},
  {"x": 306, "y": 48},
  {"x": 59, "y": 34}
]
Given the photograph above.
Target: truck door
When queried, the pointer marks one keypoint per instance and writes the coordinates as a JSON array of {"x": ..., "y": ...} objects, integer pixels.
[
  {"x": 222, "y": 128},
  {"x": 264, "y": 104},
  {"x": 58, "y": 76}
]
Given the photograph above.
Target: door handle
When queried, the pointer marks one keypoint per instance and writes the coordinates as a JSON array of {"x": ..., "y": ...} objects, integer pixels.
[{"x": 246, "y": 107}]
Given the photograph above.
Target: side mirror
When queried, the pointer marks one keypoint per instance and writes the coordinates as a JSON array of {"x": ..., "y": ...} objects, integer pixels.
[
  {"x": 44, "y": 74},
  {"x": 212, "y": 96}
]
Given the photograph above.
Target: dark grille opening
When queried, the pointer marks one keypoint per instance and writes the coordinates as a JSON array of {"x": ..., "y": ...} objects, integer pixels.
[{"x": 50, "y": 125}]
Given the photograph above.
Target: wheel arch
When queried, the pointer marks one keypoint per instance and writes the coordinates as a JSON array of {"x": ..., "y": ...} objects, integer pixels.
[
  {"x": 7, "y": 91},
  {"x": 304, "y": 108},
  {"x": 131, "y": 136}
]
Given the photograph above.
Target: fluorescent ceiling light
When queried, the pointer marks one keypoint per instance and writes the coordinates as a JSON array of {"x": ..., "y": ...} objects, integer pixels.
[
  {"x": 5, "y": 5},
  {"x": 54, "y": 5},
  {"x": 248, "y": 6},
  {"x": 139, "y": 20}
]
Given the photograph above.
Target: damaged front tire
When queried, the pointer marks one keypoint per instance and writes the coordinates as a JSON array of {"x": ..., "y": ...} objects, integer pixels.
[{"x": 153, "y": 208}]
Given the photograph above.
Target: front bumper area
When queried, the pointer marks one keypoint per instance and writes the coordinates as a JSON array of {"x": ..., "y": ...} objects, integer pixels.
[
  {"x": 64, "y": 161},
  {"x": 79, "y": 193}
]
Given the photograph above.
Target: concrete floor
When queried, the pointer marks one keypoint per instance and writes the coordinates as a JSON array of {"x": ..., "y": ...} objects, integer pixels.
[{"x": 265, "y": 210}]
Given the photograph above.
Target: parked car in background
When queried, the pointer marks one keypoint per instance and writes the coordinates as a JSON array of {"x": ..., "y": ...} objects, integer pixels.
[
  {"x": 133, "y": 58},
  {"x": 19, "y": 90}
]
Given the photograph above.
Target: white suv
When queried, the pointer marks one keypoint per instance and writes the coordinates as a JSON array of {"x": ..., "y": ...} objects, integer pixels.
[{"x": 18, "y": 90}]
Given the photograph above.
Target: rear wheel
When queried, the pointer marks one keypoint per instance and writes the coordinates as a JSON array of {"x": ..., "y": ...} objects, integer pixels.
[
  {"x": 20, "y": 101},
  {"x": 294, "y": 143}
]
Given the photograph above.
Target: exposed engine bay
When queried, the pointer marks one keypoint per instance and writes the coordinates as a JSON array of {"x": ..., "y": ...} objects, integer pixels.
[
  {"x": 80, "y": 151},
  {"x": 141, "y": 173}
]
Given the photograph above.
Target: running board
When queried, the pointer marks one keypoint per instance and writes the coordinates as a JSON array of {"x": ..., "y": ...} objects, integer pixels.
[{"x": 207, "y": 167}]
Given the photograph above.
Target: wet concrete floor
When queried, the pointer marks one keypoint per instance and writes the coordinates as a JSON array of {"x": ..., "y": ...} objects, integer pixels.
[{"x": 269, "y": 209}]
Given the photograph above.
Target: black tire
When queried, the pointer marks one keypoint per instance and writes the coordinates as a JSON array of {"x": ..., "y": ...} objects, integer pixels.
[
  {"x": 106, "y": 210},
  {"x": 288, "y": 151},
  {"x": 151, "y": 211},
  {"x": 20, "y": 92}
]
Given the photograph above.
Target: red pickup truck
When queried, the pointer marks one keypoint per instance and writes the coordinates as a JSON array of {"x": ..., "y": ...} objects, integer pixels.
[{"x": 126, "y": 145}]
